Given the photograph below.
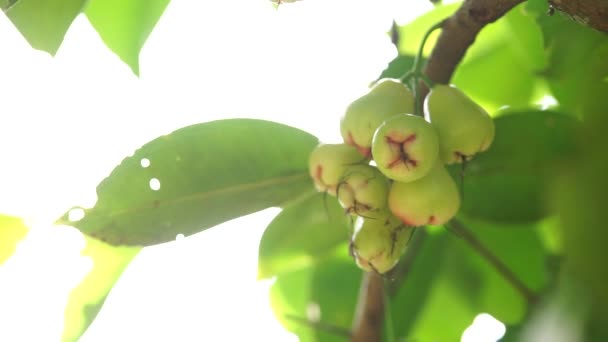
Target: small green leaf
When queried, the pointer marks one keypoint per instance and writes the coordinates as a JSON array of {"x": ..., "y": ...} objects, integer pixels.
[
  {"x": 508, "y": 182},
  {"x": 197, "y": 177},
  {"x": 12, "y": 230},
  {"x": 303, "y": 232},
  {"x": 398, "y": 67},
  {"x": 88, "y": 297},
  {"x": 125, "y": 25},
  {"x": 43, "y": 22}
]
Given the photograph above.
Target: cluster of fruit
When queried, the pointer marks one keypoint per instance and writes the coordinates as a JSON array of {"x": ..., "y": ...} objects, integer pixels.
[{"x": 389, "y": 173}]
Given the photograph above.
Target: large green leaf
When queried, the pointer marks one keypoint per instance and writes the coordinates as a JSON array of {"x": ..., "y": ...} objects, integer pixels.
[
  {"x": 578, "y": 77},
  {"x": 303, "y": 232},
  {"x": 43, "y": 22},
  {"x": 12, "y": 230},
  {"x": 509, "y": 181},
  {"x": 88, "y": 297},
  {"x": 203, "y": 174},
  {"x": 328, "y": 289},
  {"x": 125, "y": 25}
]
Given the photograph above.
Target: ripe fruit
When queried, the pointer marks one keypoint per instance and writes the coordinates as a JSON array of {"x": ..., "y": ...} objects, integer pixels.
[
  {"x": 378, "y": 242},
  {"x": 433, "y": 199},
  {"x": 385, "y": 99},
  {"x": 327, "y": 163},
  {"x": 405, "y": 147},
  {"x": 463, "y": 127},
  {"x": 363, "y": 190}
]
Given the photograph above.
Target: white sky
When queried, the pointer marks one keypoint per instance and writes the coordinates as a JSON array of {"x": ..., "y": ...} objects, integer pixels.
[{"x": 65, "y": 122}]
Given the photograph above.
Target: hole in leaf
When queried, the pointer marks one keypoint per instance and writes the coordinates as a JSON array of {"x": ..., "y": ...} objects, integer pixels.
[
  {"x": 154, "y": 184},
  {"x": 179, "y": 237},
  {"x": 76, "y": 214},
  {"x": 313, "y": 312},
  {"x": 145, "y": 162}
]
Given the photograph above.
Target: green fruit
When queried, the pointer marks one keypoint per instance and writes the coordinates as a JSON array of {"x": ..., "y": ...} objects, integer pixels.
[
  {"x": 385, "y": 99},
  {"x": 363, "y": 190},
  {"x": 379, "y": 242},
  {"x": 433, "y": 199},
  {"x": 405, "y": 147},
  {"x": 328, "y": 162},
  {"x": 463, "y": 127}
]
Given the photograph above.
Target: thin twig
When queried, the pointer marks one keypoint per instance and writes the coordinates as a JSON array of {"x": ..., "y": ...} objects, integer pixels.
[
  {"x": 462, "y": 232},
  {"x": 326, "y": 327}
]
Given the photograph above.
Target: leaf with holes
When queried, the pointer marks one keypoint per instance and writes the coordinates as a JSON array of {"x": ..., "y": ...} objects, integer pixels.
[
  {"x": 509, "y": 182},
  {"x": 301, "y": 234},
  {"x": 87, "y": 298},
  {"x": 12, "y": 230},
  {"x": 197, "y": 177},
  {"x": 43, "y": 22},
  {"x": 125, "y": 25}
]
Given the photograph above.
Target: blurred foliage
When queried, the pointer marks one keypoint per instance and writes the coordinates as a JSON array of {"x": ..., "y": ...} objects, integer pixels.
[
  {"x": 12, "y": 230},
  {"x": 86, "y": 299}
]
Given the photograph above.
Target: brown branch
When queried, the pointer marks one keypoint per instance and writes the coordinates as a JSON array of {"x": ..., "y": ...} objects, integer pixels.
[
  {"x": 370, "y": 309},
  {"x": 461, "y": 231},
  {"x": 458, "y": 33},
  {"x": 588, "y": 12}
]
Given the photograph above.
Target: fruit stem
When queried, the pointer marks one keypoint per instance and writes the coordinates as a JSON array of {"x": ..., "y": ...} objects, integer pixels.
[
  {"x": 459, "y": 229},
  {"x": 418, "y": 66}
]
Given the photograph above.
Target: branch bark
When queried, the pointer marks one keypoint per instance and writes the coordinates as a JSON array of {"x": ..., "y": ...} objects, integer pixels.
[
  {"x": 370, "y": 309},
  {"x": 587, "y": 12}
]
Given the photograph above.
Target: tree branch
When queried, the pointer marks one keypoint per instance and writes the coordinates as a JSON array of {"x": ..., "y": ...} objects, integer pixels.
[
  {"x": 458, "y": 33},
  {"x": 587, "y": 12},
  {"x": 370, "y": 309},
  {"x": 461, "y": 231}
]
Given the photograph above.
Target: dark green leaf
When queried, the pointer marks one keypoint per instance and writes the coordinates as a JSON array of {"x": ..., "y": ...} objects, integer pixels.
[
  {"x": 207, "y": 173},
  {"x": 125, "y": 25},
  {"x": 12, "y": 230},
  {"x": 508, "y": 182},
  {"x": 449, "y": 283},
  {"x": 303, "y": 232},
  {"x": 88, "y": 297},
  {"x": 43, "y": 22}
]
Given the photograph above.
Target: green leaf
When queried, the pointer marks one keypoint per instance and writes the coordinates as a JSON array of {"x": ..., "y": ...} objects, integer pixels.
[
  {"x": 12, "y": 230},
  {"x": 302, "y": 233},
  {"x": 508, "y": 183},
  {"x": 398, "y": 67},
  {"x": 125, "y": 25},
  {"x": 204, "y": 174},
  {"x": 578, "y": 78},
  {"x": 330, "y": 288},
  {"x": 43, "y": 22},
  {"x": 88, "y": 297}
]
